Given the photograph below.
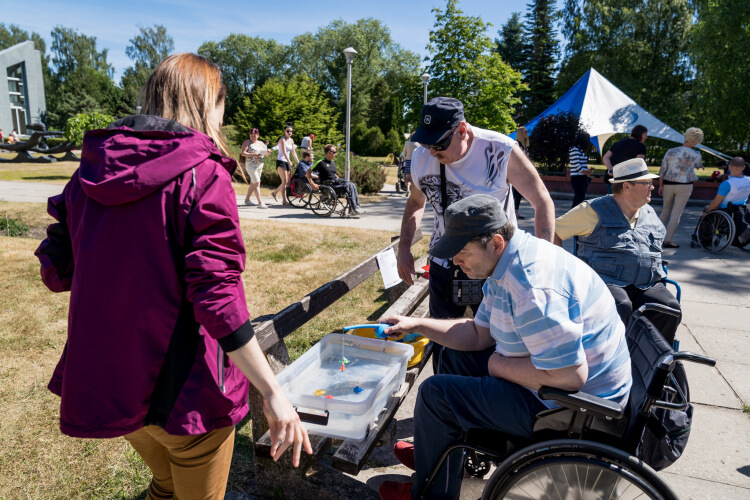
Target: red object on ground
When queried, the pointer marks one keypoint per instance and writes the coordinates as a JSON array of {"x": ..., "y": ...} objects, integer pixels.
[
  {"x": 329, "y": 397},
  {"x": 391, "y": 490}
]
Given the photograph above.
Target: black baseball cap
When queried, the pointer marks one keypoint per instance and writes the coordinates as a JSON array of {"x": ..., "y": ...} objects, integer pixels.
[
  {"x": 473, "y": 216},
  {"x": 439, "y": 115}
]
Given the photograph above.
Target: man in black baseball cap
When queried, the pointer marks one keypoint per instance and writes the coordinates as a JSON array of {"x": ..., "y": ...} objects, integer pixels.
[
  {"x": 439, "y": 116},
  {"x": 548, "y": 320},
  {"x": 457, "y": 160}
]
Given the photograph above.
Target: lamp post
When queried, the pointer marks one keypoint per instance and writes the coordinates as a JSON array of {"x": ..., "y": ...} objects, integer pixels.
[
  {"x": 425, "y": 79},
  {"x": 349, "y": 52}
]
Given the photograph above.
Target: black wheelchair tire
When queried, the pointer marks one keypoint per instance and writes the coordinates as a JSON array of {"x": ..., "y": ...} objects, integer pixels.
[
  {"x": 325, "y": 201},
  {"x": 571, "y": 452},
  {"x": 715, "y": 231},
  {"x": 298, "y": 193}
]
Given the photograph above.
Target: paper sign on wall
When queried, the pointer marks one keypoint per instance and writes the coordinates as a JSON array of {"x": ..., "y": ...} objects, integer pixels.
[{"x": 388, "y": 268}]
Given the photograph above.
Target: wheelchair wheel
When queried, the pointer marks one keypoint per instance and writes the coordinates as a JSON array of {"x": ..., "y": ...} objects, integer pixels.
[
  {"x": 298, "y": 193},
  {"x": 715, "y": 231},
  {"x": 477, "y": 464},
  {"x": 574, "y": 469},
  {"x": 323, "y": 202}
]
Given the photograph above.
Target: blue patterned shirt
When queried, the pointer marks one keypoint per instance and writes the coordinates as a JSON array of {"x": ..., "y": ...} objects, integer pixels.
[{"x": 542, "y": 302}]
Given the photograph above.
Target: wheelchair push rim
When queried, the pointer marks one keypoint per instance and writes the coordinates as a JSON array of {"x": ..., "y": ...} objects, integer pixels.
[
  {"x": 323, "y": 202},
  {"x": 715, "y": 231},
  {"x": 574, "y": 469}
]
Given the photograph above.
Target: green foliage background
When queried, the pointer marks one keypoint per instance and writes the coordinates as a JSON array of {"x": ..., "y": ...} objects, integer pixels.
[{"x": 78, "y": 125}]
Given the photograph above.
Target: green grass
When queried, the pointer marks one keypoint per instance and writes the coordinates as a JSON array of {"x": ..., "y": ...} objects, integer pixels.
[{"x": 285, "y": 262}]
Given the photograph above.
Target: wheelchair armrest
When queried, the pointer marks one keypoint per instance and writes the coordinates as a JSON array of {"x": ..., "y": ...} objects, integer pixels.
[{"x": 581, "y": 401}]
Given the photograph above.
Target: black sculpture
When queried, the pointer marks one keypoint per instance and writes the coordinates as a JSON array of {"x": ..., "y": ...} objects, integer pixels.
[{"x": 37, "y": 144}]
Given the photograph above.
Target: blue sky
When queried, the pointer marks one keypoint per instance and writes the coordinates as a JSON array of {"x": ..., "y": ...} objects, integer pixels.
[{"x": 192, "y": 22}]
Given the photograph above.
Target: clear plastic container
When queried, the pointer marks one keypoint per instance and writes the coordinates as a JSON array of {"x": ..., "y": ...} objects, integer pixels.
[{"x": 345, "y": 403}]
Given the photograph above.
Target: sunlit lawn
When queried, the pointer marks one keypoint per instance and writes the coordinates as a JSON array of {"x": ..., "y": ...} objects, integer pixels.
[{"x": 284, "y": 263}]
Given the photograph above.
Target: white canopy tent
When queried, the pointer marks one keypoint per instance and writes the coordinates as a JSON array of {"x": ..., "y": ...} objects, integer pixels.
[{"x": 605, "y": 111}]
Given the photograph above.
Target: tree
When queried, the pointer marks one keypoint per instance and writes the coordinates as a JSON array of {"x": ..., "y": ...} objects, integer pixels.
[
  {"x": 720, "y": 37},
  {"x": 639, "y": 45},
  {"x": 510, "y": 45},
  {"x": 463, "y": 65},
  {"x": 298, "y": 100},
  {"x": 147, "y": 49},
  {"x": 82, "y": 81},
  {"x": 552, "y": 138},
  {"x": 539, "y": 57},
  {"x": 379, "y": 61},
  {"x": 72, "y": 51},
  {"x": 246, "y": 63}
]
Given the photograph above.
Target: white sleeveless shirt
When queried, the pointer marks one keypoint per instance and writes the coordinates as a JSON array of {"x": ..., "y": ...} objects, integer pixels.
[{"x": 482, "y": 170}]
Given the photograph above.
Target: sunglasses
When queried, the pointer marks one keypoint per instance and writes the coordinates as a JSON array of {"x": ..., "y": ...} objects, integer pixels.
[
  {"x": 288, "y": 131},
  {"x": 643, "y": 183},
  {"x": 443, "y": 144}
]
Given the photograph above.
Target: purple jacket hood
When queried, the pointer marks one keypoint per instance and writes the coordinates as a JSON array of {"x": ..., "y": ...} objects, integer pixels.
[{"x": 138, "y": 155}]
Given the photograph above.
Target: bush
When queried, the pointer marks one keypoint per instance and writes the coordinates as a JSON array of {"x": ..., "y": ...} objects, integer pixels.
[
  {"x": 12, "y": 227},
  {"x": 83, "y": 122},
  {"x": 552, "y": 138},
  {"x": 55, "y": 141},
  {"x": 367, "y": 175}
]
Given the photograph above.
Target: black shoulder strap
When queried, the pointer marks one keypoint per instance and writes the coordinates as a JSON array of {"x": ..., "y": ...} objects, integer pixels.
[{"x": 443, "y": 188}]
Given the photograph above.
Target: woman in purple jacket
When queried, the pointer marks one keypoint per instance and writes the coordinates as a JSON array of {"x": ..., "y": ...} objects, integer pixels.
[{"x": 160, "y": 347}]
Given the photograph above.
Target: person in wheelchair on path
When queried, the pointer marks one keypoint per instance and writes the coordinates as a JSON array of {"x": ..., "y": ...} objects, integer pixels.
[
  {"x": 551, "y": 322},
  {"x": 732, "y": 196},
  {"x": 303, "y": 166},
  {"x": 326, "y": 170},
  {"x": 620, "y": 237}
]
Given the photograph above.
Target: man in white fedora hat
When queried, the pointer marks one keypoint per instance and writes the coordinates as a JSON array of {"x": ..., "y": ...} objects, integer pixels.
[{"x": 620, "y": 237}]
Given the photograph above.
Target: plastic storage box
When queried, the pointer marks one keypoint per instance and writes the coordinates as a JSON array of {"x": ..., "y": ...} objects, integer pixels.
[{"x": 345, "y": 403}]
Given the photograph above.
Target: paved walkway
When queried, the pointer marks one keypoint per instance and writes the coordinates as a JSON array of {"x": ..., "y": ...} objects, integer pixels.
[{"x": 716, "y": 322}]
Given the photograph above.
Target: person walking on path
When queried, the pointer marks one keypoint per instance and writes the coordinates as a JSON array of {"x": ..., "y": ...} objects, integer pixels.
[
  {"x": 676, "y": 178},
  {"x": 626, "y": 149},
  {"x": 454, "y": 161},
  {"x": 284, "y": 163},
  {"x": 254, "y": 151},
  {"x": 160, "y": 348},
  {"x": 406, "y": 153},
  {"x": 580, "y": 173}
]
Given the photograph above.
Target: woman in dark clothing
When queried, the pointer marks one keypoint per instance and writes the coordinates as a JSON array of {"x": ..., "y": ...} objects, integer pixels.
[{"x": 160, "y": 347}]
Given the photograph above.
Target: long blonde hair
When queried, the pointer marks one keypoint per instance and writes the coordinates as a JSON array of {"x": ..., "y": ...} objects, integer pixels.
[
  {"x": 522, "y": 136},
  {"x": 186, "y": 88}
]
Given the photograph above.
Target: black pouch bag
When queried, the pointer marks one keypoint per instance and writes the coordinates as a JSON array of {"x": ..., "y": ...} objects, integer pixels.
[
  {"x": 667, "y": 431},
  {"x": 466, "y": 291}
]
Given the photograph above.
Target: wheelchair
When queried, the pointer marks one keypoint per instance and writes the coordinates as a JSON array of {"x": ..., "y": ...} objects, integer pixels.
[
  {"x": 588, "y": 447},
  {"x": 323, "y": 202},
  {"x": 719, "y": 228}
]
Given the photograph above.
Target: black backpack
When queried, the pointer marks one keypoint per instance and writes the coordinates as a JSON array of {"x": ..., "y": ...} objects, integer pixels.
[{"x": 667, "y": 431}]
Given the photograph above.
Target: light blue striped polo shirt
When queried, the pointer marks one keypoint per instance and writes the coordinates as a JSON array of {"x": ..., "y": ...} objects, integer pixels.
[{"x": 544, "y": 303}]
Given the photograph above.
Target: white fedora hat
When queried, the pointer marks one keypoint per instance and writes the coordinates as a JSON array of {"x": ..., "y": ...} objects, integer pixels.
[{"x": 631, "y": 170}]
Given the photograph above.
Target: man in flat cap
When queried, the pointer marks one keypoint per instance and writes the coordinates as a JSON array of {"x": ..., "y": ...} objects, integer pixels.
[
  {"x": 456, "y": 160},
  {"x": 620, "y": 237},
  {"x": 547, "y": 317}
]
